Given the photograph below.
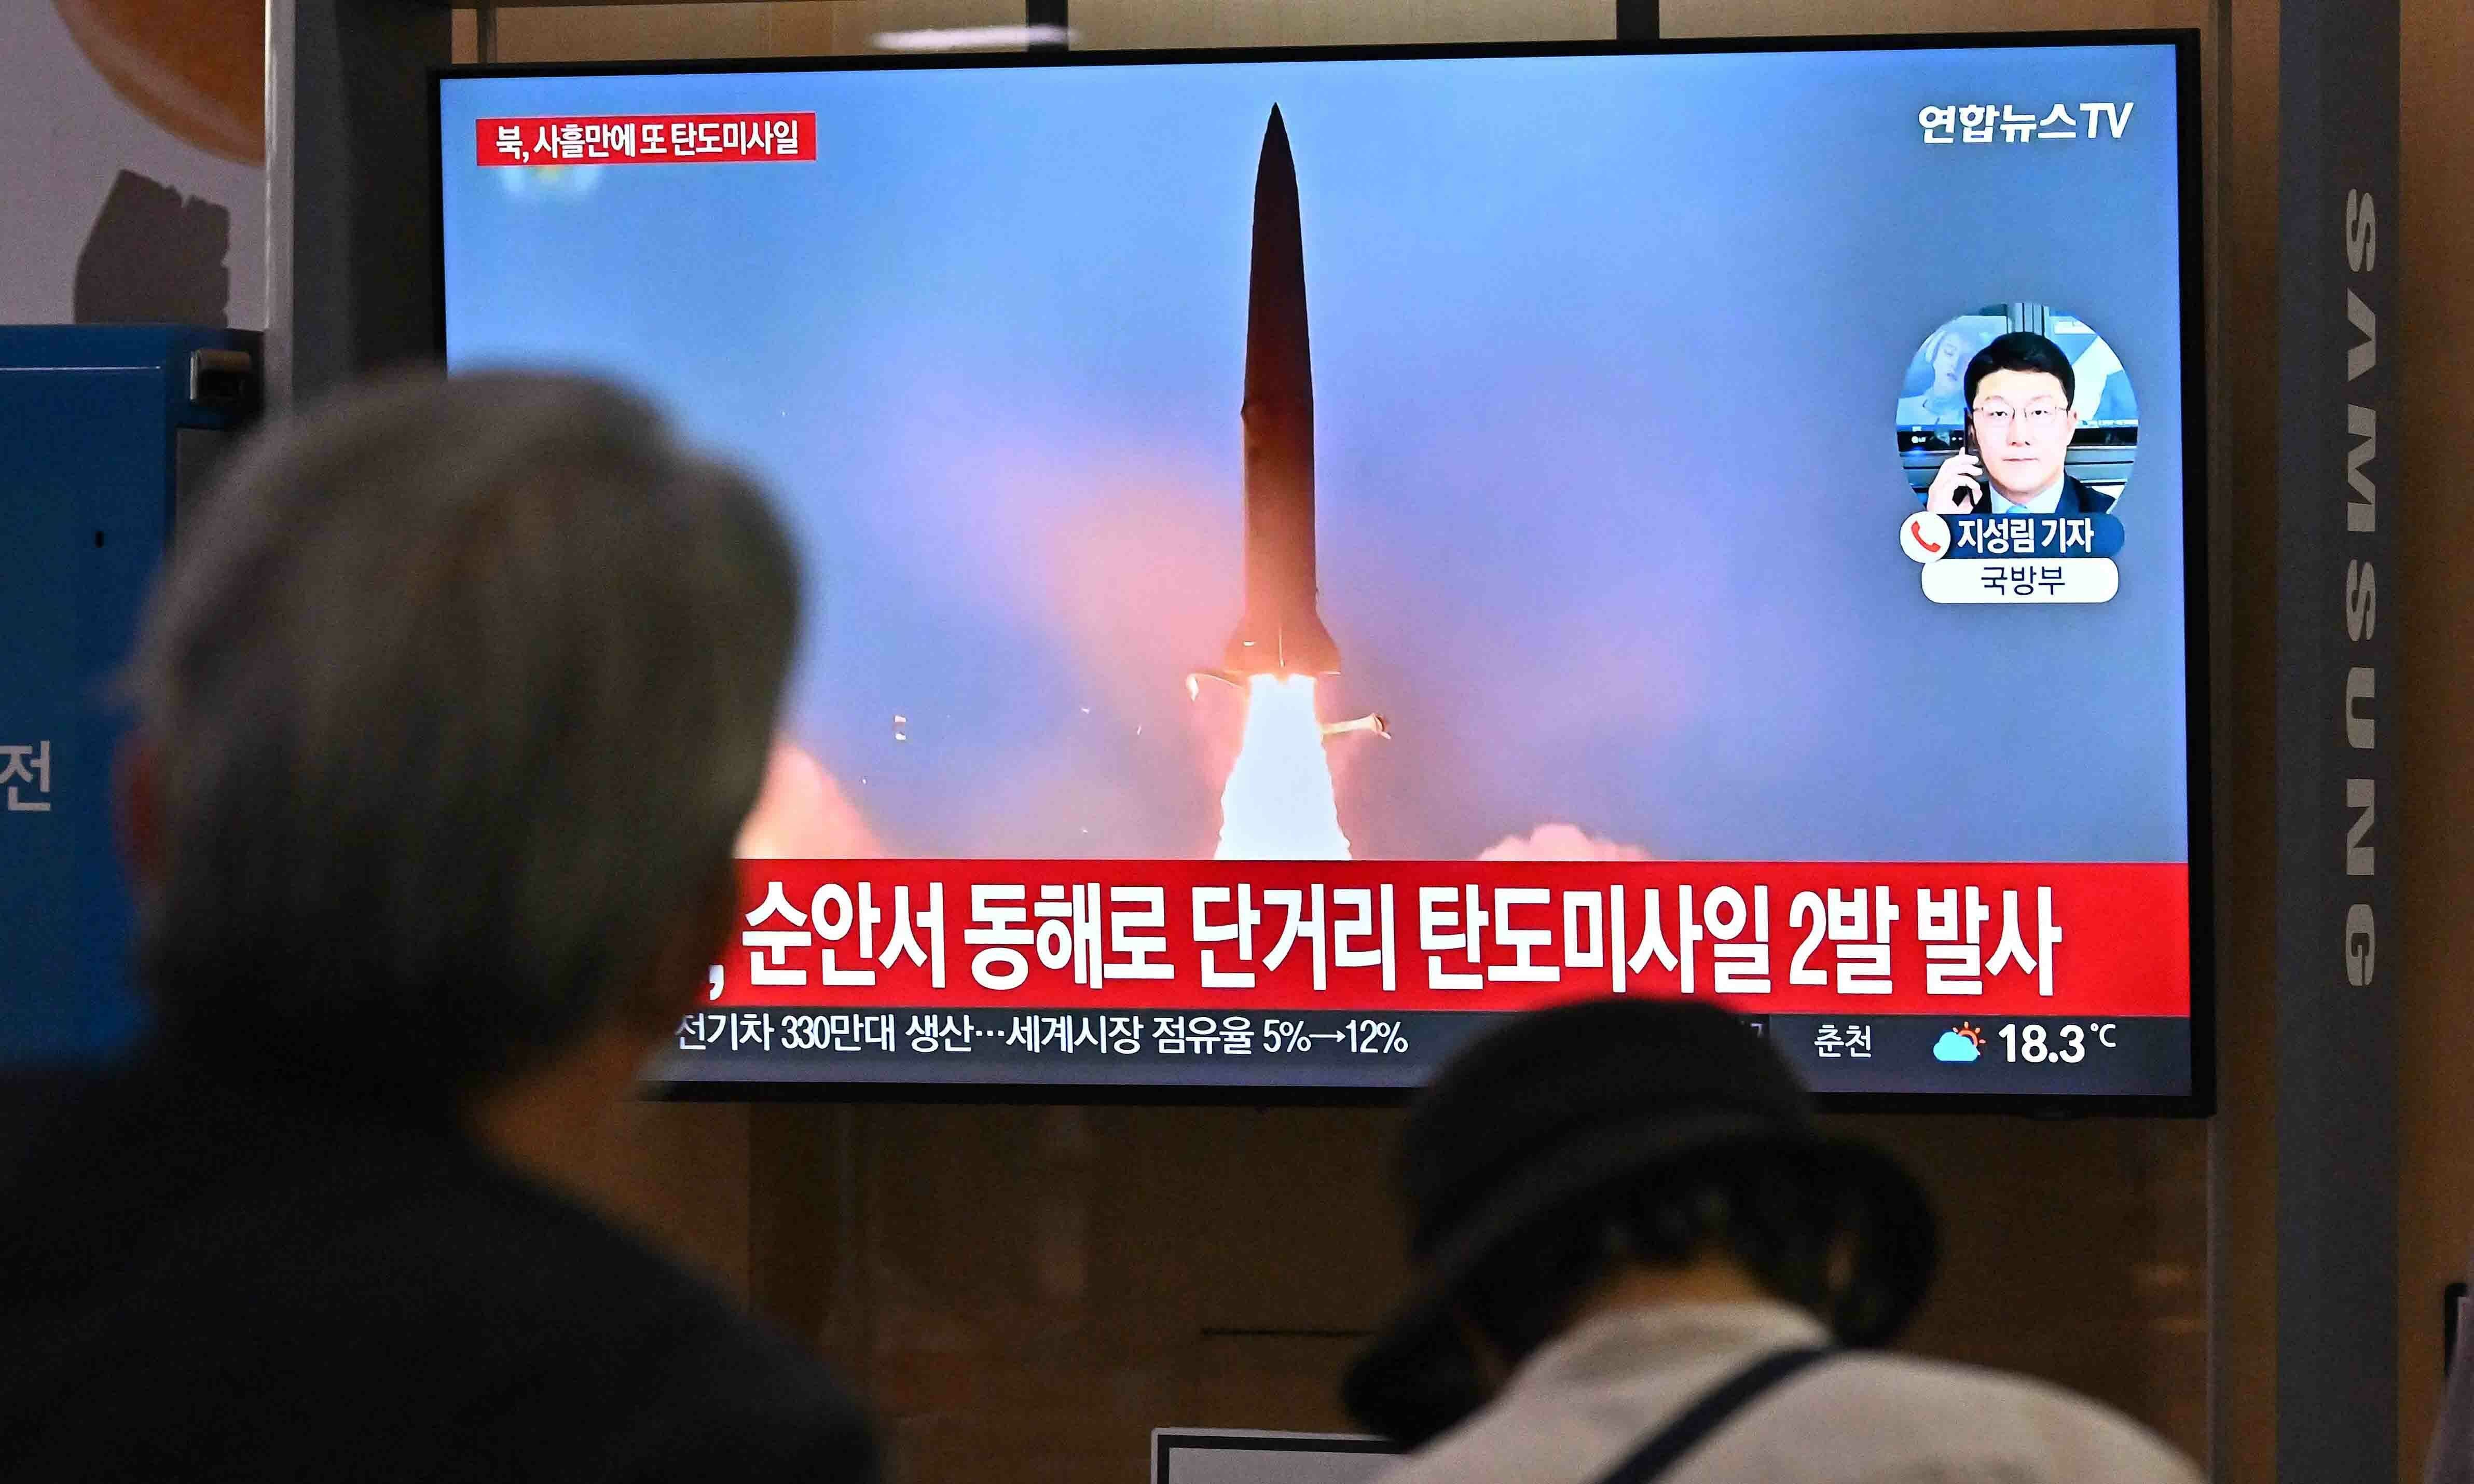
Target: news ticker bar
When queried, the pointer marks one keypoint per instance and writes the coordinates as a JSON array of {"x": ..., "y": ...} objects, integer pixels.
[
  {"x": 1397, "y": 937},
  {"x": 2037, "y": 1056}
]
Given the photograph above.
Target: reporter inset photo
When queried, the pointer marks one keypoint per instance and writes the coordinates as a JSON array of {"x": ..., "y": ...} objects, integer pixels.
[{"x": 2017, "y": 409}]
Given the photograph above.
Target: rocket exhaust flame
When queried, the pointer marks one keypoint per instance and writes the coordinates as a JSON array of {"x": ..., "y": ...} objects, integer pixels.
[{"x": 1278, "y": 803}]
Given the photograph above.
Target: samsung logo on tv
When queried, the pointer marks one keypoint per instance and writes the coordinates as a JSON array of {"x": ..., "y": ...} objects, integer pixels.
[{"x": 2362, "y": 591}]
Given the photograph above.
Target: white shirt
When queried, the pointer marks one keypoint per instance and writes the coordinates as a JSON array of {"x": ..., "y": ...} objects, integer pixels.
[
  {"x": 1587, "y": 1400},
  {"x": 2451, "y": 1456},
  {"x": 2044, "y": 501}
]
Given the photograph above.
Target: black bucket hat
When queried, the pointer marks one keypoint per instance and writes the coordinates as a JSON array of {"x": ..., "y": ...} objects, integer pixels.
[{"x": 1567, "y": 1104}]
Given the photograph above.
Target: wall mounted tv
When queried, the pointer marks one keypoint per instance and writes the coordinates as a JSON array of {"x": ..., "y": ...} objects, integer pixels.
[{"x": 1312, "y": 552}]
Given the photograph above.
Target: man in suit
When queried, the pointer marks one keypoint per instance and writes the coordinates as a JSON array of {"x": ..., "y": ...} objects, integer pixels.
[
  {"x": 448, "y": 709},
  {"x": 2019, "y": 391}
]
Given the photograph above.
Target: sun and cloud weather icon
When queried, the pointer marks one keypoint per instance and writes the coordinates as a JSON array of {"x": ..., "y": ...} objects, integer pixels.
[{"x": 1962, "y": 1043}]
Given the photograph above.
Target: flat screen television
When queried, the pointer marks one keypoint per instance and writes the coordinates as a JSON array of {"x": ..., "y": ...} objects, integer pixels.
[{"x": 1313, "y": 552}]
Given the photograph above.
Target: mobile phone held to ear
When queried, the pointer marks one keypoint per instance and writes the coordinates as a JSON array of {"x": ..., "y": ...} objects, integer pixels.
[{"x": 1971, "y": 496}]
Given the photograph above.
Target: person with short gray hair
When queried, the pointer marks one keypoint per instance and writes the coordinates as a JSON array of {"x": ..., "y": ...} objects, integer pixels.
[{"x": 448, "y": 712}]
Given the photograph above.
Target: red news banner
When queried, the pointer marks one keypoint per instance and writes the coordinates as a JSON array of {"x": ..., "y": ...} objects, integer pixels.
[
  {"x": 645, "y": 139},
  {"x": 1760, "y": 938}
]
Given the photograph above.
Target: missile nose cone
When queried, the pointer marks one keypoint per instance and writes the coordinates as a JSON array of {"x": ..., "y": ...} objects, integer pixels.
[{"x": 1277, "y": 359}]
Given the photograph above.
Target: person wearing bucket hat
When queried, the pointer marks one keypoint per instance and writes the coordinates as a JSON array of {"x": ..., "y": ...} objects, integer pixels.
[{"x": 1639, "y": 1258}]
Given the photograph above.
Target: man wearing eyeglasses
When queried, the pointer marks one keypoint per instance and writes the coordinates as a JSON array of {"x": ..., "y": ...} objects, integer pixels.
[{"x": 2019, "y": 420}]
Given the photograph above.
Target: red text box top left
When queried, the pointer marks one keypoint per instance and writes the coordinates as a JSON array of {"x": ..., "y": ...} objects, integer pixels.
[{"x": 645, "y": 139}]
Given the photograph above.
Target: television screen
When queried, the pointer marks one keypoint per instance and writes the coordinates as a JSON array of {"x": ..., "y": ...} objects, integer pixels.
[{"x": 1311, "y": 553}]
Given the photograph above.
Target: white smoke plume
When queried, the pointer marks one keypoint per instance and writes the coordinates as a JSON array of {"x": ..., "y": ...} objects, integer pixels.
[
  {"x": 1561, "y": 842},
  {"x": 803, "y": 814}
]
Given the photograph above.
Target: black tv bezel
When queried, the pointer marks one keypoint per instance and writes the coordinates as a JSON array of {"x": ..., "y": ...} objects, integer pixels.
[{"x": 2197, "y": 610}]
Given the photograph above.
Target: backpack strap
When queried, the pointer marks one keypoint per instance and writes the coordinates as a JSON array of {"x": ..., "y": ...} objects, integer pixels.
[{"x": 1710, "y": 1413}]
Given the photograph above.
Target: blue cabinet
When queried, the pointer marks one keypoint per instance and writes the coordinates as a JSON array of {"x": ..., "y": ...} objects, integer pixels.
[{"x": 106, "y": 432}]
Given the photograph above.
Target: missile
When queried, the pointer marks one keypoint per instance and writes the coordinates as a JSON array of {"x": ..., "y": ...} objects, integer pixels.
[{"x": 1279, "y": 631}]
